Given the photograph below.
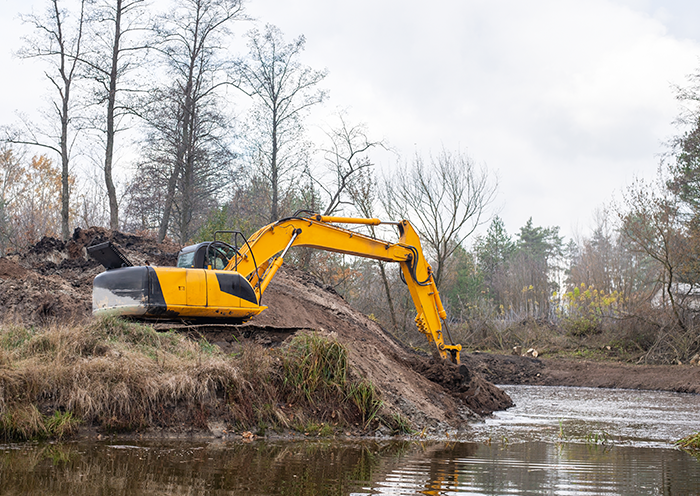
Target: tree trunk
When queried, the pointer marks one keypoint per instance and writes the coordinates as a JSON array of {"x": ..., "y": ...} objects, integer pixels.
[
  {"x": 111, "y": 101},
  {"x": 65, "y": 184},
  {"x": 274, "y": 172},
  {"x": 385, "y": 280}
]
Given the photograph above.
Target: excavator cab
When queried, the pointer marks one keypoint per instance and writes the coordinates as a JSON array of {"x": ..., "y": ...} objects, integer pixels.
[{"x": 208, "y": 255}]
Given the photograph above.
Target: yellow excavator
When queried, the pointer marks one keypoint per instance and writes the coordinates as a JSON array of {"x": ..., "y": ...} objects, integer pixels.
[{"x": 221, "y": 282}]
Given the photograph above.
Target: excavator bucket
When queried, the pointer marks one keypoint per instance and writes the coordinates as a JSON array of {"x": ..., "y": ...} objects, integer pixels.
[{"x": 108, "y": 255}]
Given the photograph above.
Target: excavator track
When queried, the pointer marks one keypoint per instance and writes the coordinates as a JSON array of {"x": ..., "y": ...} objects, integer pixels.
[{"x": 228, "y": 334}]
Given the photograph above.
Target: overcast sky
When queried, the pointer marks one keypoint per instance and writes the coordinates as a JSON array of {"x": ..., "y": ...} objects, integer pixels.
[{"x": 565, "y": 100}]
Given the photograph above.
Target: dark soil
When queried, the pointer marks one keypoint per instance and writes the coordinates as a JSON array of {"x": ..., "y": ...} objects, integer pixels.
[
  {"x": 508, "y": 369},
  {"x": 480, "y": 395}
]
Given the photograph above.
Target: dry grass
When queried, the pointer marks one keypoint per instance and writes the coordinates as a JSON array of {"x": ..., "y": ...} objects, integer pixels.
[
  {"x": 647, "y": 336},
  {"x": 119, "y": 375}
]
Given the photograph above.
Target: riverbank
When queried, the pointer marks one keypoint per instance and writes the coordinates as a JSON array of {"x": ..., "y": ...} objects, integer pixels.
[
  {"x": 309, "y": 365},
  {"x": 577, "y": 372},
  {"x": 111, "y": 376}
]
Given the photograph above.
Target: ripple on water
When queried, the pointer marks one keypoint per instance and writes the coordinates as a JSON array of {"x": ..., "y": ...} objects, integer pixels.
[{"x": 629, "y": 417}]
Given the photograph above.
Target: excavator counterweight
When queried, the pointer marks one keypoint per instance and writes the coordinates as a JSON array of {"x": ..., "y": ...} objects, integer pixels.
[{"x": 215, "y": 281}]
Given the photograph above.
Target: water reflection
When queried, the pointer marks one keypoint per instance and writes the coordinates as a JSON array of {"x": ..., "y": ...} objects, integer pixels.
[
  {"x": 396, "y": 468},
  {"x": 538, "y": 447}
]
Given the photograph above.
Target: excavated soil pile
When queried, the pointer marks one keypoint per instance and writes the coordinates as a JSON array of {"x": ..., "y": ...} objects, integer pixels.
[
  {"x": 480, "y": 395},
  {"x": 52, "y": 281}
]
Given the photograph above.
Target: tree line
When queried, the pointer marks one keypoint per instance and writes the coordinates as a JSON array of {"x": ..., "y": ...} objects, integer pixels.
[{"x": 164, "y": 90}]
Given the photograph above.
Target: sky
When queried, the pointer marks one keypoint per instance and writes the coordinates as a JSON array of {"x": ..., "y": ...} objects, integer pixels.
[{"x": 564, "y": 101}]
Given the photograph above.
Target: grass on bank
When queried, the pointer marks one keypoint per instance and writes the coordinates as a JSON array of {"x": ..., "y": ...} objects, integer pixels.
[
  {"x": 690, "y": 443},
  {"x": 124, "y": 376}
]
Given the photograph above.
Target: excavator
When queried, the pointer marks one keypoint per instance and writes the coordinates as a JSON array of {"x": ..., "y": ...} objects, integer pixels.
[{"x": 222, "y": 282}]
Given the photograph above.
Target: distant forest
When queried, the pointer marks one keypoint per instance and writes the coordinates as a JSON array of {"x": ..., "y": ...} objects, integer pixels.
[{"x": 163, "y": 93}]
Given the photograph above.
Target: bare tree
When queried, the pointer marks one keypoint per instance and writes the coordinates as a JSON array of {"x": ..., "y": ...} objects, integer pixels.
[
  {"x": 284, "y": 90},
  {"x": 363, "y": 192},
  {"x": 652, "y": 223},
  {"x": 188, "y": 130},
  {"x": 58, "y": 41},
  {"x": 112, "y": 55},
  {"x": 445, "y": 200},
  {"x": 345, "y": 159}
]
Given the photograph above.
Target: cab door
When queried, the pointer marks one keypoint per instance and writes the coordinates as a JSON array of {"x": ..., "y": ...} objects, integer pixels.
[{"x": 196, "y": 284}]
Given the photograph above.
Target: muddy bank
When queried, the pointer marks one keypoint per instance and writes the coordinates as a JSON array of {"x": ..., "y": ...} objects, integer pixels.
[
  {"x": 509, "y": 369},
  {"x": 431, "y": 394}
]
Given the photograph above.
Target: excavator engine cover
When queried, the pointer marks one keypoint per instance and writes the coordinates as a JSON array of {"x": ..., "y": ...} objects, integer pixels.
[{"x": 172, "y": 293}]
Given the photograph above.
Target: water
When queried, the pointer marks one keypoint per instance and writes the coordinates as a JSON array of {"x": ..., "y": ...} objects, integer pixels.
[
  {"x": 555, "y": 441},
  {"x": 623, "y": 417}
]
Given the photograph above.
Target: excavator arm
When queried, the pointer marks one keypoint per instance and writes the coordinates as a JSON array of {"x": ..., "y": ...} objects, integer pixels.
[
  {"x": 258, "y": 261},
  {"x": 203, "y": 290}
]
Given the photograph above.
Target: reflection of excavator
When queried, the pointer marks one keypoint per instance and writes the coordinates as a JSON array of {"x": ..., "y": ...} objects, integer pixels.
[{"x": 220, "y": 282}]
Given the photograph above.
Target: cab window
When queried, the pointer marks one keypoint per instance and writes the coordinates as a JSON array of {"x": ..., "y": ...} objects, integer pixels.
[
  {"x": 218, "y": 257},
  {"x": 186, "y": 260}
]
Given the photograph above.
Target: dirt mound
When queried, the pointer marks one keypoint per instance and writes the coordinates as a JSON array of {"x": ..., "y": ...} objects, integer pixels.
[
  {"x": 428, "y": 393},
  {"x": 480, "y": 395},
  {"x": 505, "y": 369},
  {"x": 52, "y": 280},
  {"x": 10, "y": 269}
]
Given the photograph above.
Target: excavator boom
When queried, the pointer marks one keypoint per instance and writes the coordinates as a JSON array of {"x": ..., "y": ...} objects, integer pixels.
[{"x": 215, "y": 281}]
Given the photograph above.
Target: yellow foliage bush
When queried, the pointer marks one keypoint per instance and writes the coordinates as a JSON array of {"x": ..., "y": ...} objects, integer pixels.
[{"x": 585, "y": 307}]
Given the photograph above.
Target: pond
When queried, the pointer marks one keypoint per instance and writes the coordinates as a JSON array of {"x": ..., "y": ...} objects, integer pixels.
[{"x": 555, "y": 441}]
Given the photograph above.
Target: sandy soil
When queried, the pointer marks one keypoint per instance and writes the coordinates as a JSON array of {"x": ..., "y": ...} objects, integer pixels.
[{"x": 413, "y": 385}]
